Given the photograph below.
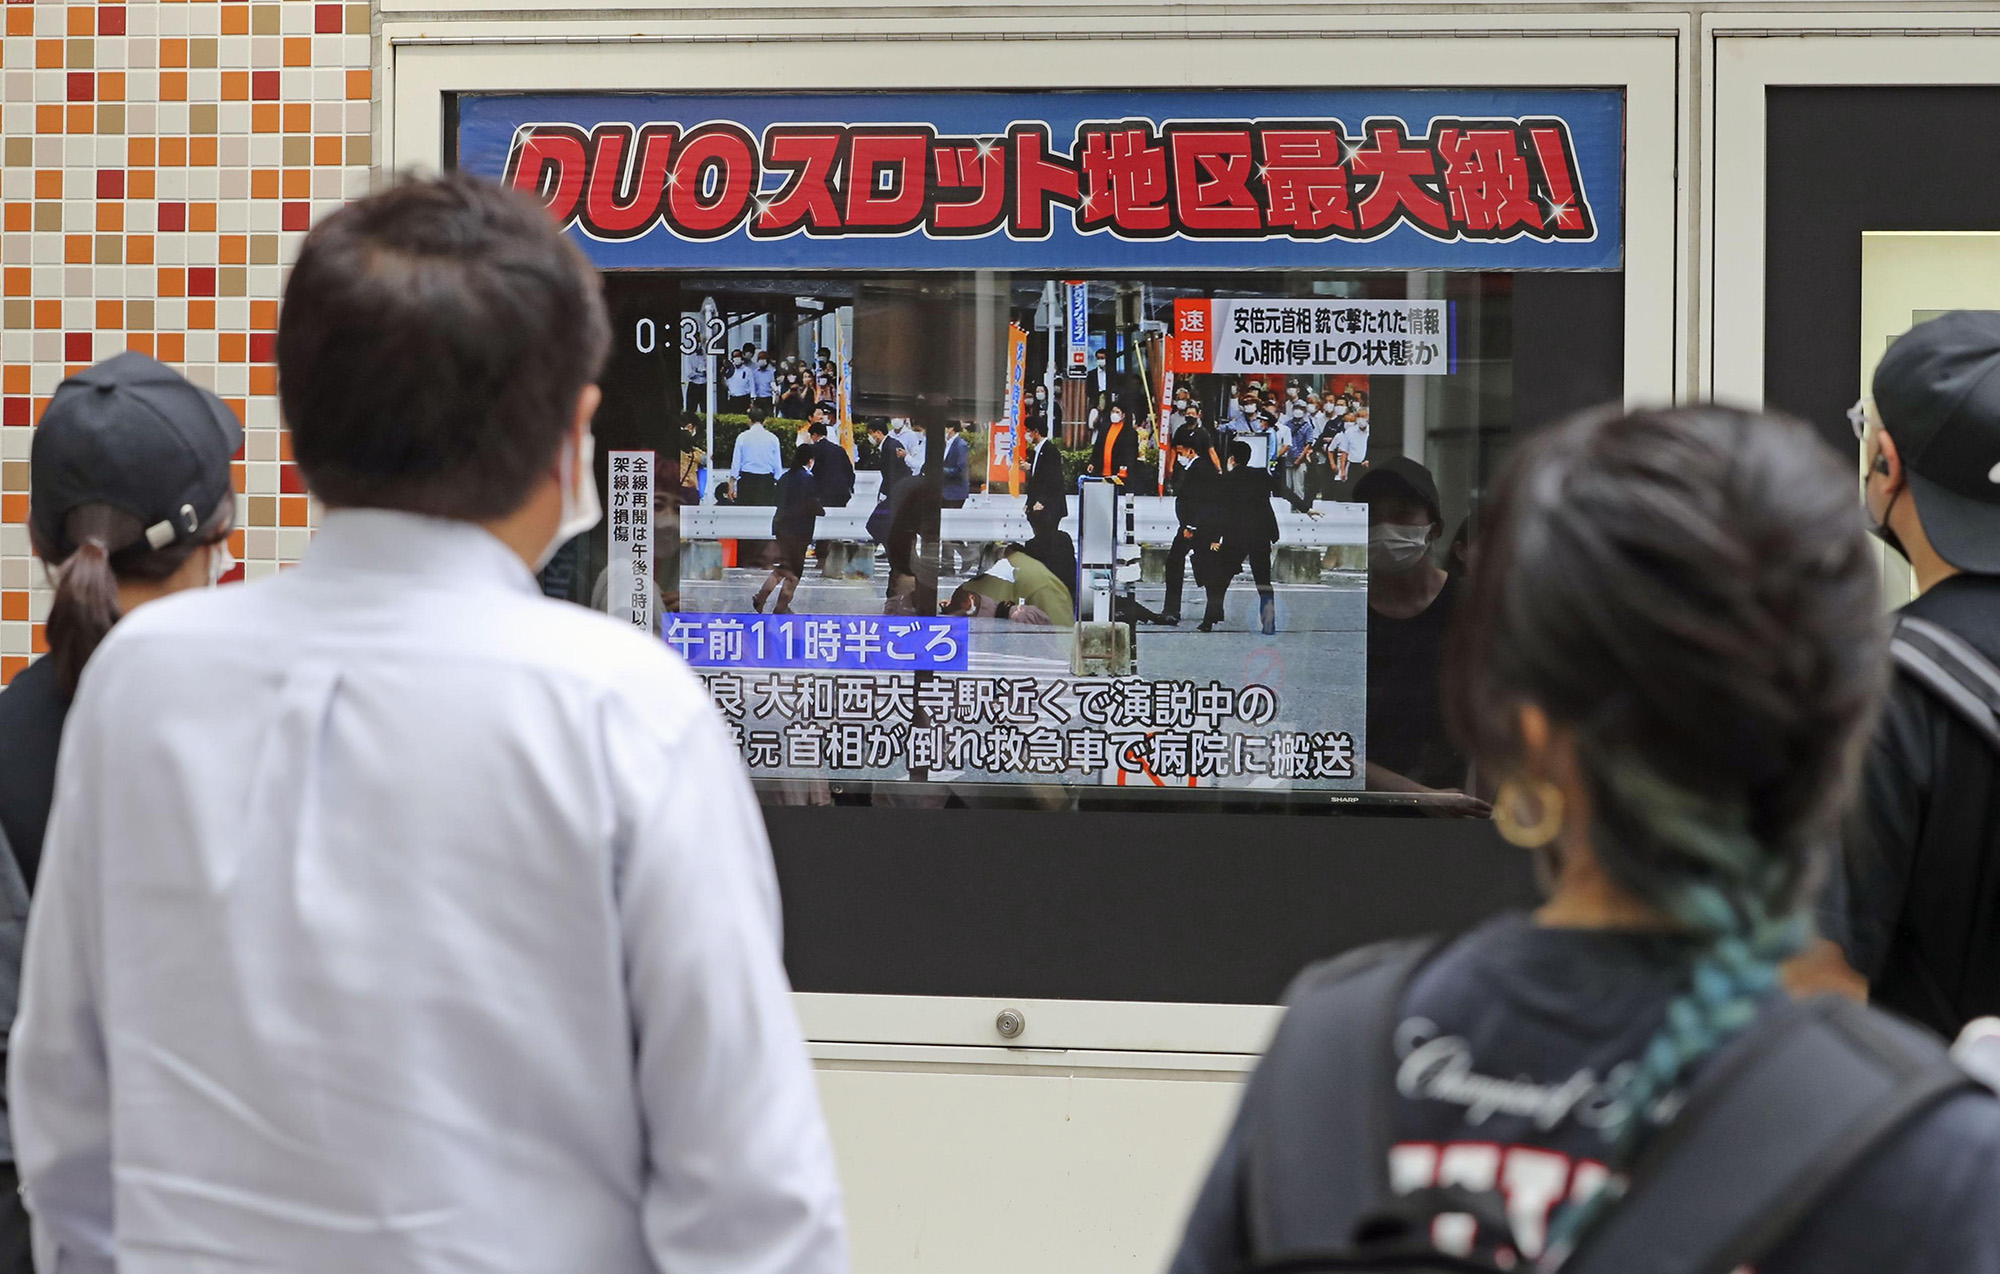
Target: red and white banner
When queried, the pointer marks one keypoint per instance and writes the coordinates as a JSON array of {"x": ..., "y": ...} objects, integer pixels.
[{"x": 1326, "y": 338}]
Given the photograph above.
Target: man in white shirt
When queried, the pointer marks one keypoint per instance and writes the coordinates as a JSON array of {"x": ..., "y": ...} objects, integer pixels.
[
  {"x": 915, "y": 444},
  {"x": 739, "y": 383},
  {"x": 763, "y": 382},
  {"x": 759, "y": 459},
  {"x": 393, "y": 917}
]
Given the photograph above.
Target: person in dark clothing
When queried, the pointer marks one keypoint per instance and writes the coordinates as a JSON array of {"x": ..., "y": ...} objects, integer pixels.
[
  {"x": 1246, "y": 529},
  {"x": 1411, "y": 600},
  {"x": 1048, "y": 485},
  {"x": 130, "y": 501},
  {"x": 792, "y": 525},
  {"x": 957, "y": 465},
  {"x": 795, "y": 399},
  {"x": 1198, "y": 504},
  {"x": 1054, "y": 549},
  {"x": 1921, "y": 865},
  {"x": 833, "y": 468},
  {"x": 833, "y": 475},
  {"x": 1114, "y": 447},
  {"x": 1678, "y": 738},
  {"x": 893, "y": 462}
]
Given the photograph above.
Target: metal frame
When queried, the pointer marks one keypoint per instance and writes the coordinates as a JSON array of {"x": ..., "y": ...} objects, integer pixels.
[
  {"x": 425, "y": 57},
  {"x": 1751, "y": 52}
]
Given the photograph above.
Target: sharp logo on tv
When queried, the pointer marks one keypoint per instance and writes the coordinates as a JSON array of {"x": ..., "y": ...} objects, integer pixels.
[{"x": 1301, "y": 180}]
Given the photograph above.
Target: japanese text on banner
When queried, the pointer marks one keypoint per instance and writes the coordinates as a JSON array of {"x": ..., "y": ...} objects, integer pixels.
[
  {"x": 630, "y": 522},
  {"x": 863, "y": 643},
  {"x": 1412, "y": 338}
]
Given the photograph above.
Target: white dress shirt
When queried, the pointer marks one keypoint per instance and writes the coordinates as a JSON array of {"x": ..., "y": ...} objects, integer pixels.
[
  {"x": 757, "y": 451},
  {"x": 393, "y": 917},
  {"x": 915, "y": 443}
]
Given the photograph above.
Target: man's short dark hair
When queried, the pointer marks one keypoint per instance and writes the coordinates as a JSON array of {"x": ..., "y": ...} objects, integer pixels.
[
  {"x": 1038, "y": 426},
  {"x": 757, "y": 414},
  {"x": 432, "y": 344},
  {"x": 817, "y": 429}
]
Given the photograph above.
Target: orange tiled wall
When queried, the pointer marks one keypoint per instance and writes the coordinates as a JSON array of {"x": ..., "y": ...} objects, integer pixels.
[{"x": 159, "y": 163}]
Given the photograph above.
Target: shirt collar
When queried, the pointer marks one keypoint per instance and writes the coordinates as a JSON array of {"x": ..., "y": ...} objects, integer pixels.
[{"x": 412, "y": 546}]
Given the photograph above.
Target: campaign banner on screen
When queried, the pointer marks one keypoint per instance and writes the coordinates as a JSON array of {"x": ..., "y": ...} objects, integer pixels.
[
  {"x": 1314, "y": 338},
  {"x": 1343, "y": 179},
  {"x": 1001, "y": 457},
  {"x": 629, "y": 523},
  {"x": 1078, "y": 305},
  {"x": 860, "y": 643}
]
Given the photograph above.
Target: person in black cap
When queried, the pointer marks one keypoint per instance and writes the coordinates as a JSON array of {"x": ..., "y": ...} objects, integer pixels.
[
  {"x": 130, "y": 500},
  {"x": 1922, "y": 863},
  {"x": 1197, "y": 504},
  {"x": 1410, "y": 604}
]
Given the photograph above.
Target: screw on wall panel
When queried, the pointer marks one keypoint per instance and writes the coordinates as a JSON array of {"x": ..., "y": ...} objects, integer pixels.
[{"x": 1010, "y": 1024}]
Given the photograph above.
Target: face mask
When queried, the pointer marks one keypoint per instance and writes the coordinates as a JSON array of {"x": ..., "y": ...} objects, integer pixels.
[
  {"x": 220, "y": 562},
  {"x": 1117, "y": 417},
  {"x": 1395, "y": 549},
  {"x": 580, "y": 509},
  {"x": 1183, "y": 461},
  {"x": 1886, "y": 533}
]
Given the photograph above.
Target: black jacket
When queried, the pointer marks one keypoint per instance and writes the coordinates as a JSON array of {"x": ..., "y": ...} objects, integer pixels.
[
  {"x": 1516, "y": 1009},
  {"x": 895, "y": 466},
  {"x": 1247, "y": 516},
  {"x": 799, "y": 506},
  {"x": 1198, "y": 496},
  {"x": 1921, "y": 915},
  {"x": 957, "y": 467},
  {"x": 1047, "y": 483},
  {"x": 32, "y": 711},
  {"x": 833, "y": 472}
]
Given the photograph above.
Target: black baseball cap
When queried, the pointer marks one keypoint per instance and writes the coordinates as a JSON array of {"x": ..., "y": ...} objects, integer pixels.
[
  {"x": 132, "y": 433},
  {"x": 1937, "y": 393},
  {"x": 1403, "y": 472}
]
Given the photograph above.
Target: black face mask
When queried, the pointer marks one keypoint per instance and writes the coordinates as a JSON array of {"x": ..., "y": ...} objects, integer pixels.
[{"x": 1886, "y": 533}]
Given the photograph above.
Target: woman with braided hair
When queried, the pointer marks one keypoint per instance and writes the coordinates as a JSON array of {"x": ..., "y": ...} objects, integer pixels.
[{"x": 1672, "y": 650}]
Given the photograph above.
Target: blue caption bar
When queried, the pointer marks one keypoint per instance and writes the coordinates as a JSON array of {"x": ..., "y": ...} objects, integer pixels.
[{"x": 866, "y": 643}]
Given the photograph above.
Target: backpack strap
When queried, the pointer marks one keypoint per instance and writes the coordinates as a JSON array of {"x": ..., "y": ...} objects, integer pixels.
[
  {"x": 1782, "y": 1117},
  {"x": 1943, "y": 663},
  {"x": 1318, "y": 1156}
]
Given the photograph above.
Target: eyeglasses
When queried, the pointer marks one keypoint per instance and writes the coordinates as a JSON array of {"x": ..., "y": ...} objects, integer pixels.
[{"x": 1857, "y": 415}]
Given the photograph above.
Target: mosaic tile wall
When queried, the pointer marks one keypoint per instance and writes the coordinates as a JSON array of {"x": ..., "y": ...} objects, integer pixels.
[{"x": 159, "y": 162}]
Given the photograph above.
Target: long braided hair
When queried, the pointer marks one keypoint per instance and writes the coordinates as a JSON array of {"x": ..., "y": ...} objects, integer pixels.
[{"x": 1690, "y": 593}]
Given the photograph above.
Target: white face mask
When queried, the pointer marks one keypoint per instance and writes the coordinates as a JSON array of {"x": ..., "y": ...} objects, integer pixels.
[
  {"x": 1183, "y": 461},
  {"x": 580, "y": 507},
  {"x": 1394, "y": 548},
  {"x": 220, "y": 562},
  {"x": 1118, "y": 416}
]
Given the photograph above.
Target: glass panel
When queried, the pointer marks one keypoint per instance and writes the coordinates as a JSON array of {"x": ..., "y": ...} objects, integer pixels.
[{"x": 934, "y": 637}]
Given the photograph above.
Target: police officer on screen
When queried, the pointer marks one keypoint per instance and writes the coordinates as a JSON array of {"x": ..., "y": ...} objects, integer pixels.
[{"x": 1197, "y": 503}]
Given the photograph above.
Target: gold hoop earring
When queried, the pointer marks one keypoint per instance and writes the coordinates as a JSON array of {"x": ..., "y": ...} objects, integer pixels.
[{"x": 1548, "y": 821}]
